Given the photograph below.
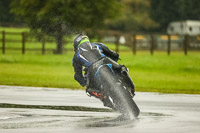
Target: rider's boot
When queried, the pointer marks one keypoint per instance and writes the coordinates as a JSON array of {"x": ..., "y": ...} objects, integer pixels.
[
  {"x": 93, "y": 92},
  {"x": 96, "y": 93}
]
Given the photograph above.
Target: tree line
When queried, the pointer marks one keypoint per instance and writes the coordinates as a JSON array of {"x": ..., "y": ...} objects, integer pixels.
[{"x": 61, "y": 17}]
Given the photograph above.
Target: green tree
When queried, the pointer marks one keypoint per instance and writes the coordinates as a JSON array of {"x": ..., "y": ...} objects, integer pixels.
[
  {"x": 58, "y": 17},
  {"x": 190, "y": 9},
  {"x": 134, "y": 16},
  {"x": 166, "y": 11},
  {"x": 5, "y": 15}
]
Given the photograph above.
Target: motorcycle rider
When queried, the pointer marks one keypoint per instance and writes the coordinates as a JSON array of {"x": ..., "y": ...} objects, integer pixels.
[{"x": 86, "y": 54}]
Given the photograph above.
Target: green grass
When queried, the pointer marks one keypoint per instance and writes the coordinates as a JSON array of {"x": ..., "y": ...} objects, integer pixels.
[
  {"x": 158, "y": 73},
  {"x": 170, "y": 74}
]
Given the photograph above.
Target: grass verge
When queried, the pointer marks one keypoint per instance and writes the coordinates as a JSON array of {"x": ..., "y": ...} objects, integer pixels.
[{"x": 158, "y": 73}]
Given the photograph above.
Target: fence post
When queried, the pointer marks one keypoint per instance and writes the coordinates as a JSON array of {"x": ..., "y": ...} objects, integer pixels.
[
  {"x": 23, "y": 42},
  {"x": 43, "y": 44},
  {"x": 169, "y": 45},
  {"x": 134, "y": 44},
  {"x": 117, "y": 43},
  {"x": 185, "y": 44},
  {"x": 3, "y": 41},
  {"x": 152, "y": 44}
]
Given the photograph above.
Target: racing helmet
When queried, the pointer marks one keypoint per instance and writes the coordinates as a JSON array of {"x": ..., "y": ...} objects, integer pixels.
[{"x": 78, "y": 39}]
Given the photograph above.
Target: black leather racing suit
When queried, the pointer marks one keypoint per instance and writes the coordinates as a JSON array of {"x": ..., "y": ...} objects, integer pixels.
[{"x": 79, "y": 65}]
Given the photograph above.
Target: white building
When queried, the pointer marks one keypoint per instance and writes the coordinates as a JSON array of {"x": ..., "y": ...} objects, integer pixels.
[{"x": 189, "y": 27}]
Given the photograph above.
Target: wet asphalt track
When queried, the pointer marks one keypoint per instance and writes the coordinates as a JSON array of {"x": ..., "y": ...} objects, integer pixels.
[{"x": 52, "y": 110}]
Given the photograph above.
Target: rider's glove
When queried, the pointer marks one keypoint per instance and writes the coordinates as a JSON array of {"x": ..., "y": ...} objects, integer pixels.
[{"x": 116, "y": 57}]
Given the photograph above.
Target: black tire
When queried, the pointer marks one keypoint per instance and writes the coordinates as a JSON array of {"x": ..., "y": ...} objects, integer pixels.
[
  {"x": 121, "y": 98},
  {"x": 123, "y": 101}
]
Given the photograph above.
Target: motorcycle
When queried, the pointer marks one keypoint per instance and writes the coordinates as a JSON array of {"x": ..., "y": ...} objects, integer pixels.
[{"x": 114, "y": 82}]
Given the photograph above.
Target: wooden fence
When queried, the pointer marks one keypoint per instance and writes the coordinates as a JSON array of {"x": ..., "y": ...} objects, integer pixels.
[
  {"x": 23, "y": 39},
  {"x": 133, "y": 41}
]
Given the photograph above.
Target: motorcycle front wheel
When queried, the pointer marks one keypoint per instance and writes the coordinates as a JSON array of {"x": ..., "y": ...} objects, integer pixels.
[{"x": 120, "y": 97}]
